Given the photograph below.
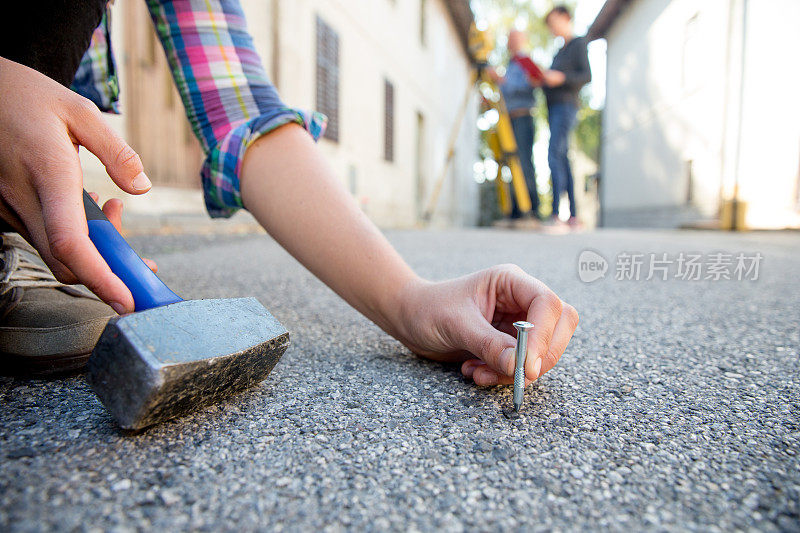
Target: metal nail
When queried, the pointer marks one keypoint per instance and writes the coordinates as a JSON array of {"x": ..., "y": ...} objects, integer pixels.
[{"x": 522, "y": 328}]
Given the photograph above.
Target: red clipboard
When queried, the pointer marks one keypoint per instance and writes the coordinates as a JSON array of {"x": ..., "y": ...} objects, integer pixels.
[{"x": 530, "y": 67}]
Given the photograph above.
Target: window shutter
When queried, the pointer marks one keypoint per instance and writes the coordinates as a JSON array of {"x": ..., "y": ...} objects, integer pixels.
[
  {"x": 388, "y": 121},
  {"x": 328, "y": 77}
]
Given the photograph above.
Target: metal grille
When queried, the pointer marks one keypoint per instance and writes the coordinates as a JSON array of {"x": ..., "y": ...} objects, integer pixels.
[
  {"x": 388, "y": 121},
  {"x": 328, "y": 77}
]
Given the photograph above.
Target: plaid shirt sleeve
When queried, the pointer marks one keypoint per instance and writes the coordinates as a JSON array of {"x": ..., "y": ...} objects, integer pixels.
[
  {"x": 96, "y": 78},
  {"x": 228, "y": 98}
]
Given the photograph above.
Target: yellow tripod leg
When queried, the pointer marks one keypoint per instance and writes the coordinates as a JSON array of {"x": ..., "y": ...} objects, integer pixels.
[
  {"x": 508, "y": 145},
  {"x": 520, "y": 187},
  {"x": 503, "y": 194}
]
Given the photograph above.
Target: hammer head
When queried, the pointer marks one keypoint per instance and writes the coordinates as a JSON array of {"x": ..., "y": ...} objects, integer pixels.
[{"x": 161, "y": 363}]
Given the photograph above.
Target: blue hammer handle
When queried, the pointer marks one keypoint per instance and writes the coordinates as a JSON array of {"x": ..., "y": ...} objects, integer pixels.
[{"x": 147, "y": 289}]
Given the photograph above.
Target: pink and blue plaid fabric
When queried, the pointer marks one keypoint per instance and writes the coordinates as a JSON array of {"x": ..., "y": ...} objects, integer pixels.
[
  {"x": 96, "y": 78},
  {"x": 227, "y": 95}
]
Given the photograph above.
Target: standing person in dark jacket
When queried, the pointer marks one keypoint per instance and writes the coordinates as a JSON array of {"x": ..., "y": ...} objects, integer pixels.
[{"x": 568, "y": 74}]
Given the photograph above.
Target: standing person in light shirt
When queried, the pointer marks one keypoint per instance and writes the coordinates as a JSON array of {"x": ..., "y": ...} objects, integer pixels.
[{"x": 518, "y": 92}]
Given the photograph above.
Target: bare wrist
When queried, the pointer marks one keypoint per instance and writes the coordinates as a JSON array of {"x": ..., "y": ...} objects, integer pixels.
[{"x": 406, "y": 311}]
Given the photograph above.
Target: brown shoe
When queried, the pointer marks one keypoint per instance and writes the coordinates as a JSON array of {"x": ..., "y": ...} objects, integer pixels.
[{"x": 45, "y": 327}]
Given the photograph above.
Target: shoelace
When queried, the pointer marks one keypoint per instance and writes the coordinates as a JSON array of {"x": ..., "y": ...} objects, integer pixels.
[{"x": 19, "y": 269}]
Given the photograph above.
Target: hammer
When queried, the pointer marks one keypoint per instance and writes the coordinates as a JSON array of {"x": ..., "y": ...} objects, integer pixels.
[{"x": 171, "y": 356}]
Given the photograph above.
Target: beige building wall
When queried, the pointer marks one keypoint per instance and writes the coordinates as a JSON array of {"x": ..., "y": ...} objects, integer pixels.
[
  {"x": 679, "y": 128},
  {"x": 765, "y": 144},
  {"x": 378, "y": 39}
]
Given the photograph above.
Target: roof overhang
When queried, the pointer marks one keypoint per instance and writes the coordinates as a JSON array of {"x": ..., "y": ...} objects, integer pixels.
[
  {"x": 605, "y": 18},
  {"x": 462, "y": 17}
]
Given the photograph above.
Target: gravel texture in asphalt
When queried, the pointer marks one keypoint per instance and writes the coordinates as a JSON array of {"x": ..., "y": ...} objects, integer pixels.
[{"x": 676, "y": 406}]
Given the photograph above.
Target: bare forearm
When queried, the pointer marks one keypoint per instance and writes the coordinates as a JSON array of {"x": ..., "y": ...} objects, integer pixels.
[
  {"x": 289, "y": 188},
  {"x": 286, "y": 184}
]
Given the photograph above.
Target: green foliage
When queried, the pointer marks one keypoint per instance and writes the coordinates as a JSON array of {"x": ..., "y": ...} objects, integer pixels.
[
  {"x": 587, "y": 132},
  {"x": 501, "y": 16}
]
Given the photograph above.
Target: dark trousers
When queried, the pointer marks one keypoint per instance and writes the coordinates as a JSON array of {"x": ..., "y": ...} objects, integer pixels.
[
  {"x": 50, "y": 36},
  {"x": 524, "y": 133},
  {"x": 562, "y": 118}
]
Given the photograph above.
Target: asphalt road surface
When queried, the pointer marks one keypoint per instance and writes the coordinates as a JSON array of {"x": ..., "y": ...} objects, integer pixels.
[{"x": 675, "y": 407}]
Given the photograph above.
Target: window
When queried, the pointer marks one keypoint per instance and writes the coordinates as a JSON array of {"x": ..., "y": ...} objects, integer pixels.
[
  {"x": 388, "y": 121},
  {"x": 328, "y": 77},
  {"x": 419, "y": 163}
]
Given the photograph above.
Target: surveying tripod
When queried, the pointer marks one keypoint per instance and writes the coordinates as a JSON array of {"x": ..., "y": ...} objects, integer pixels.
[{"x": 500, "y": 138}]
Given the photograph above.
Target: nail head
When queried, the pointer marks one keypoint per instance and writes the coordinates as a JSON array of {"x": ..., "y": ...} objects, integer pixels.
[{"x": 521, "y": 325}]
